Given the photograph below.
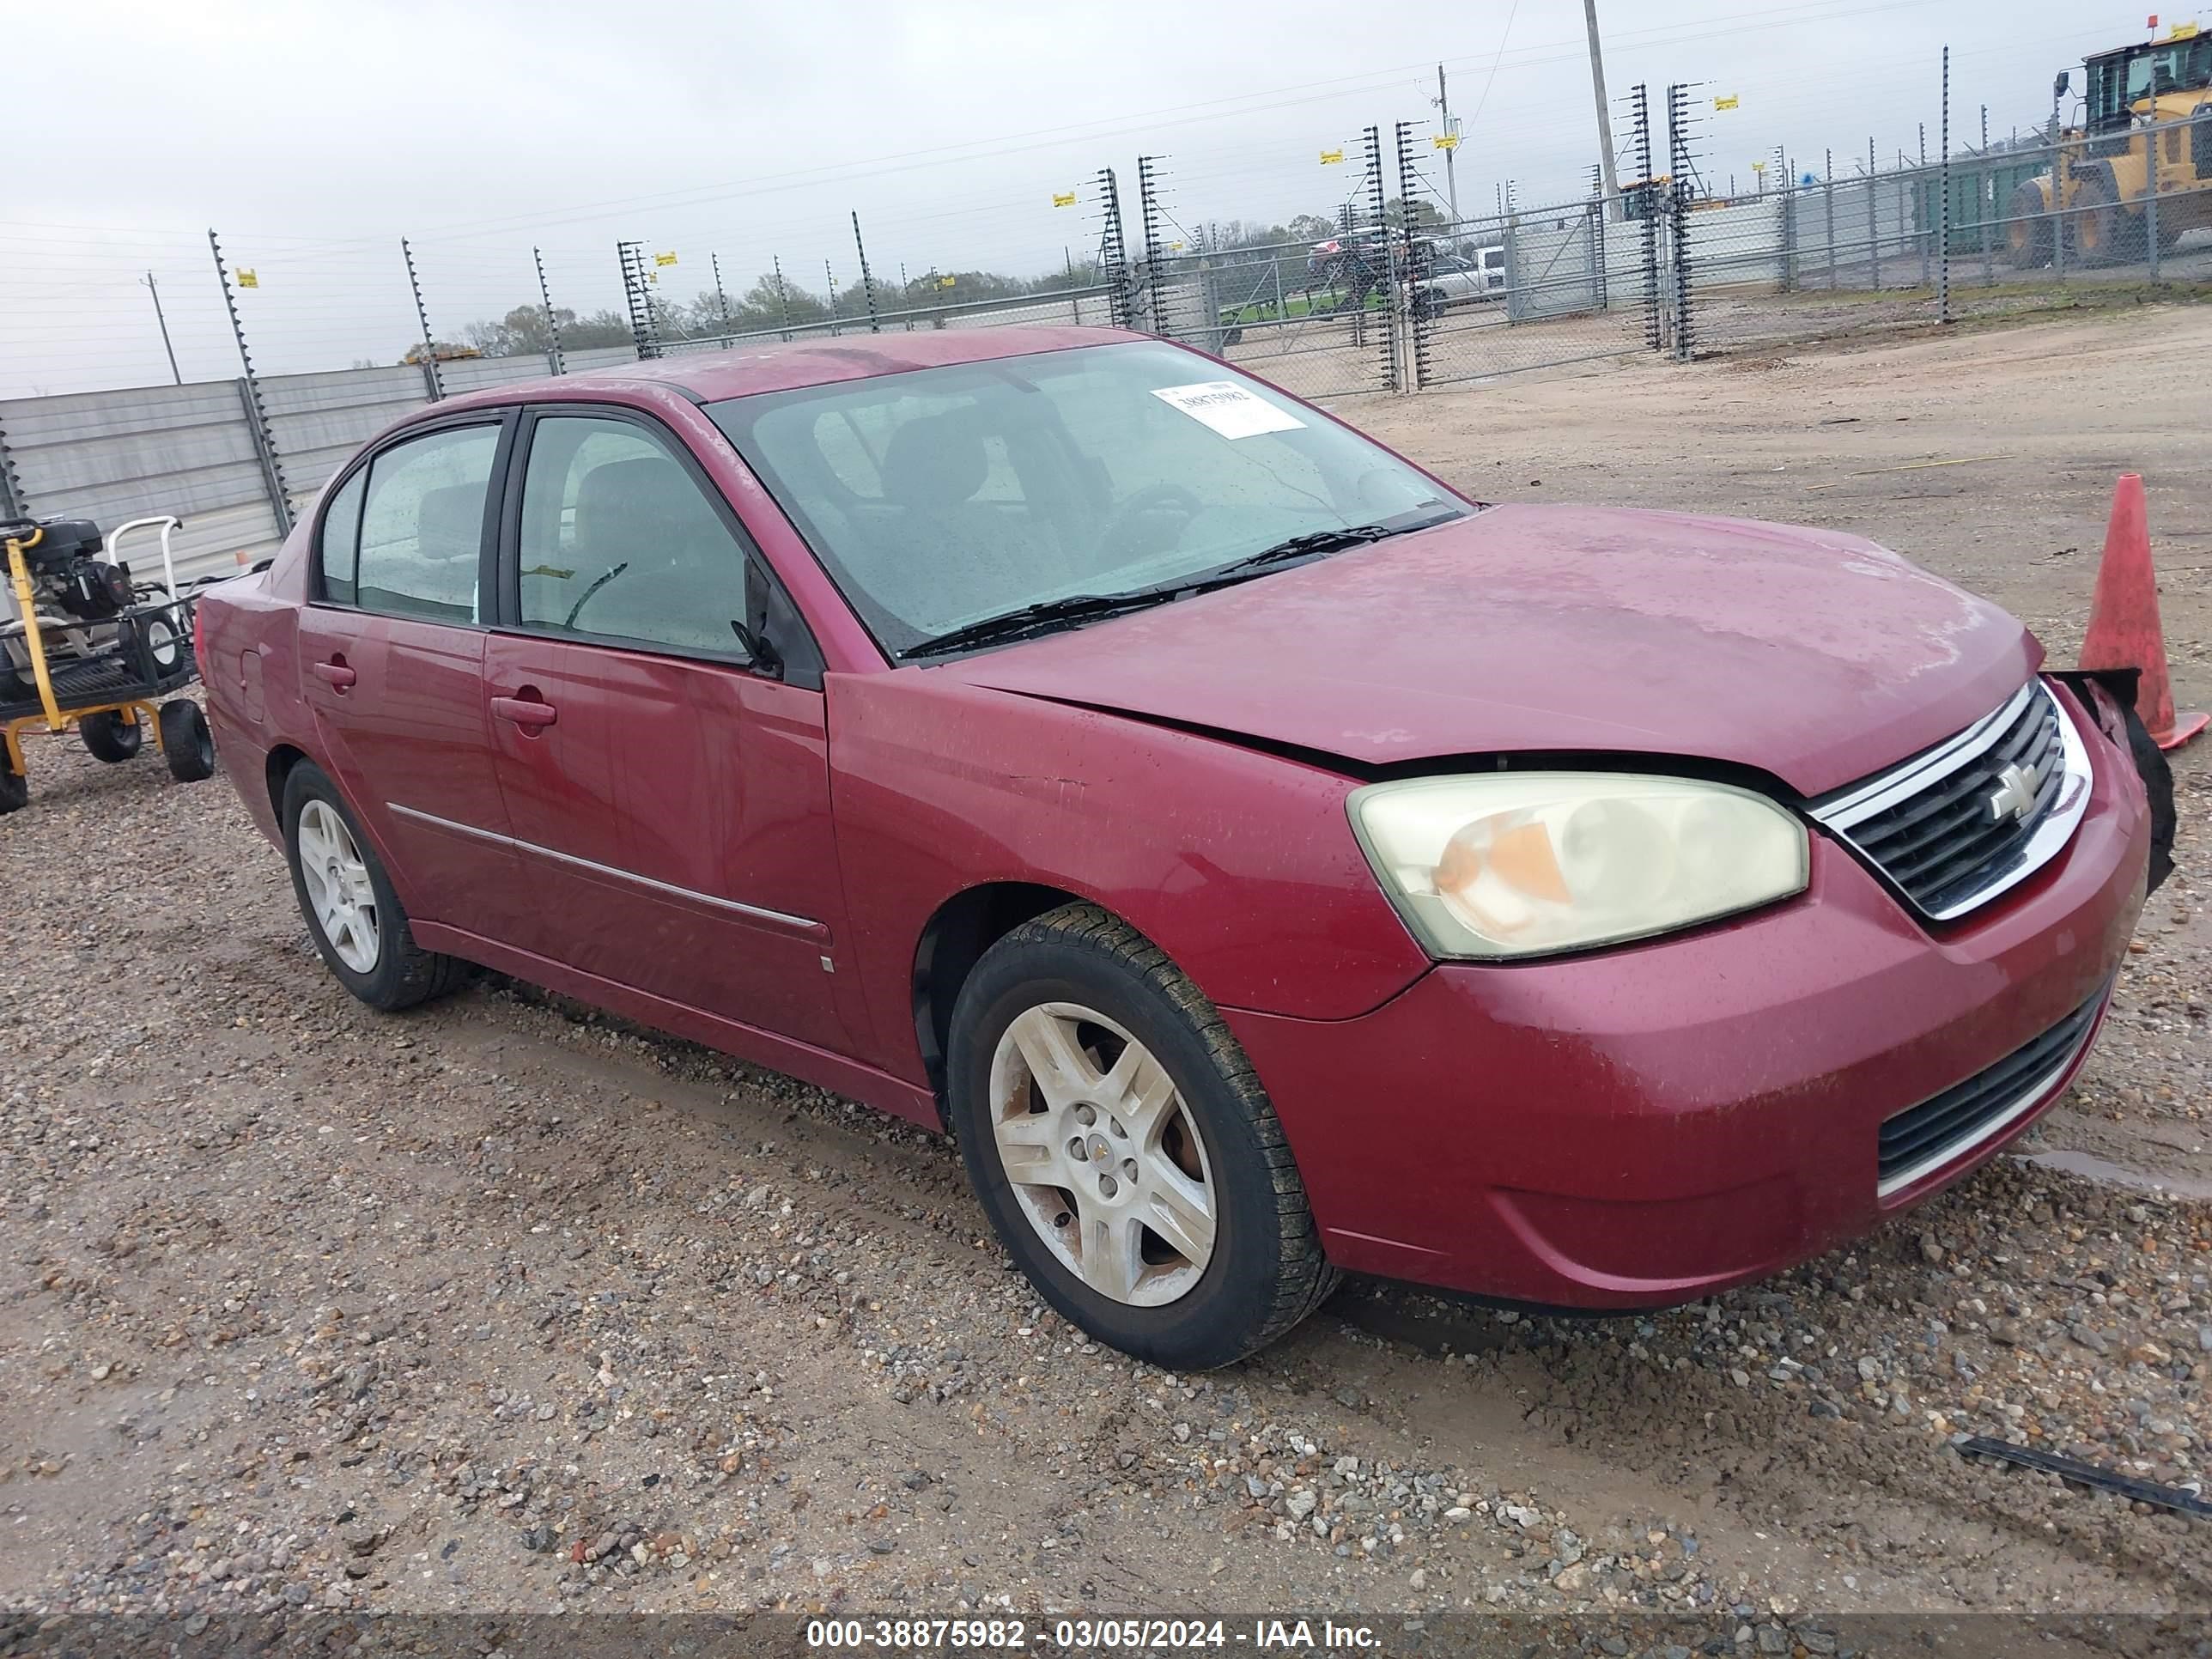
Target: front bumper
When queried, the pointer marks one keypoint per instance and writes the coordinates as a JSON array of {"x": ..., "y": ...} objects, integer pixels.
[{"x": 1642, "y": 1127}]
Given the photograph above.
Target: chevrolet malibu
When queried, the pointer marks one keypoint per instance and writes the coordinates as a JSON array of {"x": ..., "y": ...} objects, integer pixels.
[{"x": 1266, "y": 861}]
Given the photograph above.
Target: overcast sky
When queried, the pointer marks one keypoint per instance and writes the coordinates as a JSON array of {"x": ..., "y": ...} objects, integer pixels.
[{"x": 314, "y": 134}]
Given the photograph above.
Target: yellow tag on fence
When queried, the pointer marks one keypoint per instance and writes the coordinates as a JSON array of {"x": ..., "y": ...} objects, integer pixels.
[
  {"x": 247, "y": 279},
  {"x": 1729, "y": 102},
  {"x": 1331, "y": 157},
  {"x": 1066, "y": 199},
  {"x": 664, "y": 259}
]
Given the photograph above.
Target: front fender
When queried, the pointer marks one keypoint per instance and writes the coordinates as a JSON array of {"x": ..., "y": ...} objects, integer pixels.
[{"x": 1238, "y": 863}]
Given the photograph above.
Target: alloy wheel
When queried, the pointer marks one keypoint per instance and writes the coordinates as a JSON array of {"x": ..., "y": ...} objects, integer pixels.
[
  {"x": 1104, "y": 1157},
  {"x": 339, "y": 891}
]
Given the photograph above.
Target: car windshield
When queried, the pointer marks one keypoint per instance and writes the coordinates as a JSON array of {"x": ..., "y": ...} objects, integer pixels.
[{"x": 938, "y": 498}]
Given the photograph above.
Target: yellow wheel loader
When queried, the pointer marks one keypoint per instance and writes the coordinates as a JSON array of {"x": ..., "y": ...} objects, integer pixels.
[{"x": 2146, "y": 126}]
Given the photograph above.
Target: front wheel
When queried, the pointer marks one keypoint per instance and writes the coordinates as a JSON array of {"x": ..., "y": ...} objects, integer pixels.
[
  {"x": 1125, "y": 1152},
  {"x": 2027, "y": 229}
]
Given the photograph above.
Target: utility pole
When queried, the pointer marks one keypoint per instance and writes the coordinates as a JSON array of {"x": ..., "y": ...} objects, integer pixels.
[
  {"x": 1452, "y": 147},
  {"x": 155, "y": 288},
  {"x": 1604, "y": 114}
]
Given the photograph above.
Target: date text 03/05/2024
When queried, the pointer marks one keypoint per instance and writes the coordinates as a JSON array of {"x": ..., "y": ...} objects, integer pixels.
[{"x": 1089, "y": 1635}]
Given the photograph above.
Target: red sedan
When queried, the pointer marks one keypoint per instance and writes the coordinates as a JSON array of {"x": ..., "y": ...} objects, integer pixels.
[{"x": 1268, "y": 861}]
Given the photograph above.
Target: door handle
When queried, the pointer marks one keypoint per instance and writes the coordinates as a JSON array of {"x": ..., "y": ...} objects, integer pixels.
[
  {"x": 526, "y": 712},
  {"x": 335, "y": 673}
]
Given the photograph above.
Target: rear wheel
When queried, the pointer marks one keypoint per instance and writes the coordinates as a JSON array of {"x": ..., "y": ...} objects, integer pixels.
[
  {"x": 107, "y": 736},
  {"x": 186, "y": 743},
  {"x": 356, "y": 919},
  {"x": 1124, "y": 1150}
]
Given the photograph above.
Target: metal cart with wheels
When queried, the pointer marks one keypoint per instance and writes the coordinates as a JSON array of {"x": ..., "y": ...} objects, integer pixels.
[{"x": 90, "y": 649}]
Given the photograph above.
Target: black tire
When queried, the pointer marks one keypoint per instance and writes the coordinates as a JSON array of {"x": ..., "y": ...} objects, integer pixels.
[
  {"x": 107, "y": 736},
  {"x": 2027, "y": 229},
  {"x": 1266, "y": 1270},
  {"x": 186, "y": 743},
  {"x": 404, "y": 973},
  {"x": 14, "y": 790}
]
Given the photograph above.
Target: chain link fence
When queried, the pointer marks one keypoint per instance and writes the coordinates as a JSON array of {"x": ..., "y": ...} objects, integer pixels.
[
  {"x": 1391, "y": 295},
  {"x": 2005, "y": 230}
]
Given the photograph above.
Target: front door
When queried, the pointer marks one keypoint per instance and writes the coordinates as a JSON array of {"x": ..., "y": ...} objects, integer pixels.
[
  {"x": 670, "y": 801},
  {"x": 391, "y": 657}
]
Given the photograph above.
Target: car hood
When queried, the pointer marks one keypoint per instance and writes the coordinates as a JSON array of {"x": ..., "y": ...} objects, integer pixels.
[{"x": 1813, "y": 655}]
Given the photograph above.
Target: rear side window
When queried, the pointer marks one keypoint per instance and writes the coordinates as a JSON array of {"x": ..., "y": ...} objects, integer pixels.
[
  {"x": 422, "y": 526},
  {"x": 338, "y": 554}
]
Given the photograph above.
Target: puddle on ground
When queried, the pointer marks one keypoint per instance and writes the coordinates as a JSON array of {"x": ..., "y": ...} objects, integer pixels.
[{"x": 2090, "y": 1167}]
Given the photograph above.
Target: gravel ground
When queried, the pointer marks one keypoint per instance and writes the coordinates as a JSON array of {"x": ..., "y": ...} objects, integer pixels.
[{"x": 505, "y": 1306}]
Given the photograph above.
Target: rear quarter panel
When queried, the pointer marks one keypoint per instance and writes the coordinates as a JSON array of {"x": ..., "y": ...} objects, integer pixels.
[
  {"x": 1240, "y": 864},
  {"x": 251, "y": 671}
]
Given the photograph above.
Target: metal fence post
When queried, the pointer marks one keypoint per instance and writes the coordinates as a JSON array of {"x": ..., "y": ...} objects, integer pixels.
[
  {"x": 257, "y": 412},
  {"x": 1828, "y": 204},
  {"x": 265, "y": 451},
  {"x": 1413, "y": 310},
  {"x": 1114, "y": 253},
  {"x": 2056, "y": 210},
  {"x": 1378, "y": 201},
  {"x": 12, "y": 504},
  {"x": 2150, "y": 200},
  {"x": 830, "y": 277},
  {"x": 1788, "y": 236},
  {"x": 644, "y": 327},
  {"x": 782, "y": 297},
  {"x": 1148, "y": 220},
  {"x": 867, "y": 281},
  {"x": 421, "y": 315},
  {"x": 721, "y": 297},
  {"x": 552, "y": 325},
  {"x": 1943, "y": 220},
  {"x": 1678, "y": 168},
  {"x": 1640, "y": 142}
]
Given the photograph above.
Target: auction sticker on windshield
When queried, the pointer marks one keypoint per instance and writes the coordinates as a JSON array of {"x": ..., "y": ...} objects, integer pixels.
[{"x": 1228, "y": 408}]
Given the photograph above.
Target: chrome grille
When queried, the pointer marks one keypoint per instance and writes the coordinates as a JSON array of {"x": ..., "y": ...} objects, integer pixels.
[{"x": 1954, "y": 826}]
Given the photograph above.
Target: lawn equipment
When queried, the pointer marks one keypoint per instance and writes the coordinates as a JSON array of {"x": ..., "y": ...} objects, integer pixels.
[{"x": 85, "y": 644}]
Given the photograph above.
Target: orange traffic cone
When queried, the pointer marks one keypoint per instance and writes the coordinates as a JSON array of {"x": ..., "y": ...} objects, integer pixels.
[{"x": 2124, "y": 625}]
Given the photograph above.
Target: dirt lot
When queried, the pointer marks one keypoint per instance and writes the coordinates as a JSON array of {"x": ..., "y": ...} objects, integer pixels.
[{"x": 501, "y": 1305}]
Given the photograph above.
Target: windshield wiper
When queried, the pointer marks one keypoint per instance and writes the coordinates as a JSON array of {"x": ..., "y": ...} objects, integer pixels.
[
  {"x": 1047, "y": 615},
  {"x": 1323, "y": 541}
]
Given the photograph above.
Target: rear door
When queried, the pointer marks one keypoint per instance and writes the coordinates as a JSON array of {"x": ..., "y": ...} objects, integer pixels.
[
  {"x": 391, "y": 650},
  {"x": 669, "y": 796}
]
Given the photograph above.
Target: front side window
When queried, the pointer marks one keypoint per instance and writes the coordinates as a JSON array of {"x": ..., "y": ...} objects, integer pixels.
[
  {"x": 422, "y": 526},
  {"x": 619, "y": 542},
  {"x": 938, "y": 498}
]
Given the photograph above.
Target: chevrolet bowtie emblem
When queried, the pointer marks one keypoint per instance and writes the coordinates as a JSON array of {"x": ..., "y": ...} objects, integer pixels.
[{"x": 2017, "y": 788}]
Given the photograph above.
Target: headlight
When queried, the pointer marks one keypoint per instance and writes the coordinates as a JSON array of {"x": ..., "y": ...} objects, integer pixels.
[{"x": 1523, "y": 864}]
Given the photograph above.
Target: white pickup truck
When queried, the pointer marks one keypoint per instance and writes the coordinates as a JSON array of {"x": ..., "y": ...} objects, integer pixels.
[{"x": 1461, "y": 278}]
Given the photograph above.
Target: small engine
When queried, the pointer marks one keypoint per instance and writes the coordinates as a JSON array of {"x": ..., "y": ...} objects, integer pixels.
[
  {"x": 73, "y": 588},
  {"x": 67, "y": 570}
]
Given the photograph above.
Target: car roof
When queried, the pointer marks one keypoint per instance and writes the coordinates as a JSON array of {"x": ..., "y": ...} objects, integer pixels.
[{"x": 781, "y": 365}]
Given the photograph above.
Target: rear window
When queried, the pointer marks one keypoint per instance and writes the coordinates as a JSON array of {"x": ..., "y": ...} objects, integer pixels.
[{"x": 422, "y": 526}]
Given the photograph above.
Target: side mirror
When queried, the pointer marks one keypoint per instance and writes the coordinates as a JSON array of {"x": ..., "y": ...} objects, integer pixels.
[{"x": 753, "y": 632}]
